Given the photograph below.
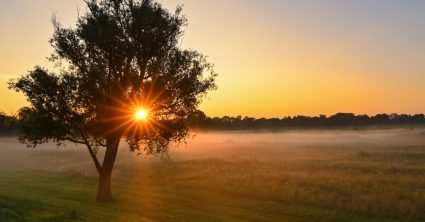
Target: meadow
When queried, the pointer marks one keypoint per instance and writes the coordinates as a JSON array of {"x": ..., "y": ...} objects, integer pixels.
[{"x": 350, "y": 175}]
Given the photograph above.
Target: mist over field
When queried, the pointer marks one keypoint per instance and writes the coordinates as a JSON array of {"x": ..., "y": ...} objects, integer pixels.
[
  {"x": 374, "y": 175},
  {"x": 260, "y": 146}
]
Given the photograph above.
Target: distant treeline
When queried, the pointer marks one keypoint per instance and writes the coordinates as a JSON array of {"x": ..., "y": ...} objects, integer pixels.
[
  {"x": 8, "y": 124},
  {"x": 11, "y": 125},
  {"x": 340, "y": 120}
]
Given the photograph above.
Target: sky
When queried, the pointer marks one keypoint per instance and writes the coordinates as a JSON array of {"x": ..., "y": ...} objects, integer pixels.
[{"x": 274, "y": 58}]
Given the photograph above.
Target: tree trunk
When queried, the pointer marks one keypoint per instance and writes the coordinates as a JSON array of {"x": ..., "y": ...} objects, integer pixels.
[{"x": 104, "y": 191}]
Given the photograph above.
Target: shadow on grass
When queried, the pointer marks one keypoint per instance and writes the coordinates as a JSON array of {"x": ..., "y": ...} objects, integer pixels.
[{"x": 13, "y": 210}]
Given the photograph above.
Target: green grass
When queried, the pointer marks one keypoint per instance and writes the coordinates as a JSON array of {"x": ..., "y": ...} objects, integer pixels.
[{"x": 307, "y": 181}]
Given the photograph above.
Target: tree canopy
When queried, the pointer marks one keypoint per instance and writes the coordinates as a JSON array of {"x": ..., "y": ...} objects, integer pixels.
[{"x": 121, "y": 55}]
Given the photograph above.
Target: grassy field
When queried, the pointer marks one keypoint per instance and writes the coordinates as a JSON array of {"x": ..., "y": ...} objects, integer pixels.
[{"x": 374, "y": 175}]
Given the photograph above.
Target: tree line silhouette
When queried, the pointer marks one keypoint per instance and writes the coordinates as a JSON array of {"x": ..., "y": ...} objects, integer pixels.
[
  {"x": 348, "y": 120},
  {"x": 9, "y": 124},
  {"x": 14, "y": 124}
]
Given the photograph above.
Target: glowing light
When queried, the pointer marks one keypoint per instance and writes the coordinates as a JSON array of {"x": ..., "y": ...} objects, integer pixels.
[{"x": 141, "y": 114}]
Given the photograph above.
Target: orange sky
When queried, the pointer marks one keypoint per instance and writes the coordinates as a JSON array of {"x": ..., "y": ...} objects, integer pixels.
[{"x": 274, "y": 57}]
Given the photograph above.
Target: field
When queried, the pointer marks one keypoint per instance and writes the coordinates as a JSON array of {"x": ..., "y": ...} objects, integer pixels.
[{"x": 371, "y": 175}]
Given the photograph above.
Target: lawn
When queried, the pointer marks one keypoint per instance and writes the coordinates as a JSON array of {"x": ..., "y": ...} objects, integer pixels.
[{"x": 374, "y": 175}]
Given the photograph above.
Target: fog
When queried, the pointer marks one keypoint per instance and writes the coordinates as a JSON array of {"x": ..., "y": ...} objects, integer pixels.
[{"x": 261, "y": 146}]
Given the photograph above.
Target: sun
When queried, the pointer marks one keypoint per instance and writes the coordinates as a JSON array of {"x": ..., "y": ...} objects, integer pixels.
[{"x": 141, "y": 114}]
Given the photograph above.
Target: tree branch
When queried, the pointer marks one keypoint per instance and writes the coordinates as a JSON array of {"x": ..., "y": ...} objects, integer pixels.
[
  {"x": 92, "y": 153},
  {"x": 73, "y": 140},
  {"x": 99, "y": 142}
]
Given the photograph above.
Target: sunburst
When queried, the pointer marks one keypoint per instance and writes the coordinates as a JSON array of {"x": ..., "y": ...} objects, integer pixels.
[{"x": 141, "y": 114}]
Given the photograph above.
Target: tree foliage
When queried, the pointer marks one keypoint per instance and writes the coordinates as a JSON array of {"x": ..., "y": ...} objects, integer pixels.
[{"x": 121, "y": 55}]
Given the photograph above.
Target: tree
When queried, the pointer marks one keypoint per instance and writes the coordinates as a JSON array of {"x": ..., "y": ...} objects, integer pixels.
[{"x": 122, "y": 55}]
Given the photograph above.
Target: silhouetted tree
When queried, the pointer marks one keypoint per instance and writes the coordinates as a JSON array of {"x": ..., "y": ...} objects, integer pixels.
[
  {"x": 123, "y": 54},
  {"x": 3, "y": 123},
  {"x": 322, "y": 121},
  {"x": 8, "y": 124},
  {"x": 198, "y": 120}
]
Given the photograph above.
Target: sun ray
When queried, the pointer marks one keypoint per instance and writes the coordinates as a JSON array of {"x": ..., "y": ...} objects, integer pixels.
[{"x": 117, "y": 127}]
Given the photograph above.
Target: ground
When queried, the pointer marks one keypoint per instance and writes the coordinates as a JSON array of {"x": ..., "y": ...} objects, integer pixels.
[{"x": 357, "y": 175}]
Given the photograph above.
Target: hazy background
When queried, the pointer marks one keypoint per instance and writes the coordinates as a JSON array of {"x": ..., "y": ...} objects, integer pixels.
[{"x": 274, "y": 57}]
